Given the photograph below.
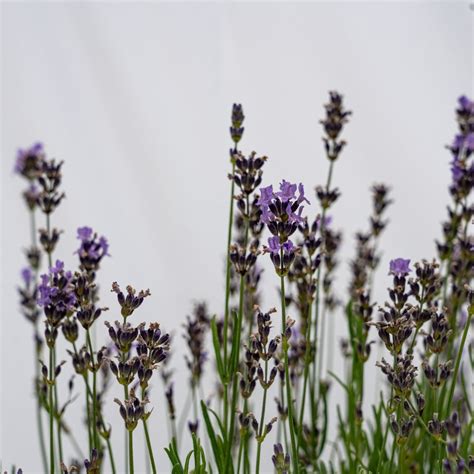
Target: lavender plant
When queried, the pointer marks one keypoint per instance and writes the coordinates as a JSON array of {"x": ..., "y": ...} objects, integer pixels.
[{"x": 422, "y": 419}]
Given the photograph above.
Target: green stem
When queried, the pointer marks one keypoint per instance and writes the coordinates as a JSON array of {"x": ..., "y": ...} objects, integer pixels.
[
  {"x": 39, "y": 418},
  {"x": 227, "y": 292},
  {"x": 130, "y": 452},
  {"x": 234, "y": 365},
  {"x": 458, "y": 361},
  {"x": 241, "y": 445},
  {"x": 94, "y": 393},
  {"x": 127, "y": 440},
  {"x": 56, "y": 411},
  {"x": 307, "y": 359},
  {"x": 150, "y": 450},
  {"x": 88, "y": 411},
  {"x": 228, "y": 263},
  {"x": 262, "y": 419},
  {"x": 51, "y": 413},
  {"x": 111, "y": 455},
  {"x": 318, "y": 282},
  {"x": 148, "y": 441},
  {"x": 289, "y": 397}
]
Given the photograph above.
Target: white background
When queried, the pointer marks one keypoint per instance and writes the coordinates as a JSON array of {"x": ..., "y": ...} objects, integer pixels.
[{"x": 136, "y": 98}]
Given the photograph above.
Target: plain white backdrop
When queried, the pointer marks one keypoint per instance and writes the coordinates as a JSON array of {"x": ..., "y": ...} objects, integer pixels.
[{"x": 136, "y": 98}]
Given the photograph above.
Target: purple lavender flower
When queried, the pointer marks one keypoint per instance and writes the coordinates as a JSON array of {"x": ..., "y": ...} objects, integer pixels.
[
  {"x": 56, "y": 294},
  {"x": 287, "y": 191},
  {"x": 469, "y": 142},
  {"x": 275, "y": 248},
  {"x": 281, "y": 212},
  {"x": 266, "y": 215},
  {"x": 31, "y": 196},
  {"x": 292, "y": 216},
  {"x": 274, "y": 244},
  {"x": 326, "y": 221},
  {"x": 457, "y": 171},
  {"x": 400, "y": 267},
  {"x": 288, "y": 247},
  {"x": 84, "y": 233},
  {"x": 465, "y": 105},
  {"x": 92, "y": 249},
  {"x": 58, "y": 267},
  {"x": 29, "y": 161},
  {"x": 236, "y": 129},
  {"x": 462, "y": 143},
  {"x": 266, "y": 196},
  {"x": 27, "y": 275},
  {"x": 301, "y": 196}
]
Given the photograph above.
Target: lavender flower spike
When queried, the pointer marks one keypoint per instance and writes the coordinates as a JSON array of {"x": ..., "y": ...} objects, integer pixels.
[
  {"x": 301, "y": 197},
  {"x": 84, "y": 233},
  {"x": 287, "y": 191},
  {"x": 400, "y": 267},
  {"x": 29, "y": 161},
  {"x": 266, "y": 196},
  {"x": 274, "y": 245},
  {"x": 92, "y": 249},
  {"x": 27, "y": 275}
]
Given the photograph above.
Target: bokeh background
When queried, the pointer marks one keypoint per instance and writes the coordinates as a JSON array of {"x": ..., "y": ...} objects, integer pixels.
[{"x": 136, "y": 98}]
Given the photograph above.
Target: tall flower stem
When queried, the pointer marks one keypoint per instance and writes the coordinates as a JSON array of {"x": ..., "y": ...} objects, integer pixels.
[
  {"x": 317, "y": 303},
  {"x": 39, "y": 415},
  {"x": 262, "y": 420},
  {"x": 235, "y": 355},
  {"x": 227, "y": 295},
  {"x": 150, "y": 449},
  {"x": 94, "y": 393},
  {"x": 51, "y": 413},
  {"x": 307, "y": 360},
  {"x": 458, "y": 361},
  {"x": 130, "y": 451},
  {"x": 234, "y": 364},
  {"x": 111, "y": 455},
  {"x": 54, "y": 405},
  {"x": 289, "y": 397},
  {"x": 128, "y": 439},
  {"x": 228, "y": 263},
  {"x": 88, "y": 395}
]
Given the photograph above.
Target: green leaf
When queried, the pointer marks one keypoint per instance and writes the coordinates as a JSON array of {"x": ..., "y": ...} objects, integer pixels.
[
  {"x": 217, "y": 351},
  {"x": 217, "y": 451}
]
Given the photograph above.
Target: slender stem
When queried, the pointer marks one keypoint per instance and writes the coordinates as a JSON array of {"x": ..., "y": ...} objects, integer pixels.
[
  {"x": 51, "y": 413},
  {"x": 94, "y": 393},
  {"x": 227, "y": 295},
  {"x": 56, "y": 410},
  {"x": 458, "y": 361},
  {"x": 234, "y": 364},
  {"x": 127, "y": 439},
  {"x": 262, "y": 419},
  {"x": 282, "y": 396},
  {"x": 289, "y": 397},
  {"x": 111, "y": 455},
  {"x": 53, "y": 356},
  {"x": 148, "y": 442},
  {"x": 150, "y": 449},
  {"x": 130, "y": 452},
  {"x": 39, "y": 417},
  {"x": 228, "y": 263},
  {"x": 307, "y": 359},
  {"x": 88, "y": 411},
  {"x": 241, "y": 445},
  {"x": 231, "y": 429},
  {"x": 318, "y": 283}
]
